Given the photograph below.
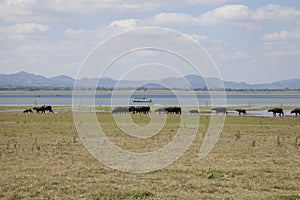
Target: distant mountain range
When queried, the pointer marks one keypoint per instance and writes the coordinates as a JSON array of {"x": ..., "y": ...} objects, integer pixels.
[{"x": 24, "y": 80}]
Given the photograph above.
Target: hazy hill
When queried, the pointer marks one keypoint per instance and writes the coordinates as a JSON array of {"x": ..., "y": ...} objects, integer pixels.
[{"x": 23, "y": 80}]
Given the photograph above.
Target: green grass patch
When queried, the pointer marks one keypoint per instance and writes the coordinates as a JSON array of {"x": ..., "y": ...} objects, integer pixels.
[
  {"x": 140, "y": 194},
  {"x": 214, "y": 174}
]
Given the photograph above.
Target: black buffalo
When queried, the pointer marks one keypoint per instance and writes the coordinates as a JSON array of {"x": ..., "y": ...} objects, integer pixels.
[
  {"x": 241, "y": 111},
  {"x": 220, "y": 110},
  {"x": 277, "y": 110},
  {"x": 27, "y": 111},
  {"x": 296, "y": 111},
  {"x": 194, "y": 112},
  {"x": 173, "y": 110},
  {"x": 38, "y": 109},
  {"x": 139, "y": 109},
  {"x": 120, "y": 109},
  {"x": 43, "y": 109}
]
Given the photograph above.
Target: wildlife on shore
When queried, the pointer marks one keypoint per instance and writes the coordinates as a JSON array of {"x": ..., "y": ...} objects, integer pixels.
[
  {"x": 43, "y": 109},
  {"x": 220, "y": 110},
  {"x": 241, "y": 111},
  {"x": 120, "y": 109},
  {"x": 139, "y": 109},
  {"x": 39, "y": 109},
  {"x": 131, "y": 109},
  {"x": 194, "y": 112},
  {"x": 296, "y": 111},
  {"x": 277, "y": 110},
  {"x": 28, "y": 110},
  {"x": 169, "y": 110},
  {"x": 173, "y": 110}
]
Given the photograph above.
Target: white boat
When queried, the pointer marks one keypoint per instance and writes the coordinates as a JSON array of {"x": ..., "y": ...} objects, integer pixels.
[{"x": 142, "y": 100}]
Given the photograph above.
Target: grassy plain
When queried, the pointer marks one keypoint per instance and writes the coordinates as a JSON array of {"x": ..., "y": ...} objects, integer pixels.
[{"x": 41, "y": 157}]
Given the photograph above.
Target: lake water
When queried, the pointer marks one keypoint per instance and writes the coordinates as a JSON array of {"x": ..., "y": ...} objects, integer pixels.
[{"x": 159, "y": 99}]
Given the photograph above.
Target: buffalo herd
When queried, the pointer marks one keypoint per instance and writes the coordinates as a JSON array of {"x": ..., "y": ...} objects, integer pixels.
[
  {"x": 173, "y": 110},
  {"x": 131, "y": 109},
  {"x": 39, "y": 109},
  {"x": 145, "y": 110},
  {"x": 166, "y": 110},
  {"x": 177, "y": 110}
]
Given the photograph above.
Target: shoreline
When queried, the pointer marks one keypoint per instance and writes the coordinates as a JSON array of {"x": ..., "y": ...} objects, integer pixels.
[{"x": 130, "y": 91}]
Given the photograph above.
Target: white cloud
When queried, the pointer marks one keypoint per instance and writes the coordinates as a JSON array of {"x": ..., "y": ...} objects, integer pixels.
[
  {"x": 22, "y": 11},
  {"x": 282, "y": 43},
  {"x": 233, "y": 14},
  {"x": 275, "y": 49},
  {"x": 225, "y": 14},
  {"x": 53, "y": 10},
  {"x": 197, "y": 38},
  {"x": 91, "y": 37},
  {"x": 82, "y": 34},
  {"x": 235, "y": 55},
  {"x": 272, "y": 12},
  {"x": 283, "y": 35},
  {"x": 18, "y": 32},
  {"x": 171, "y": 18},
  {"x": 17, "y": 7},
  {"x": 208, "y": 2},
  {"x": 94, "y": 6},
  {"x": 212, "y": 45},
  {"x": 228, "y": 14},
  {"x": 282, "y": 52},
  {"x": 39, "y": 10},
  {"x": 28, "y": 28},
  {"x": 127, "y": 24}
]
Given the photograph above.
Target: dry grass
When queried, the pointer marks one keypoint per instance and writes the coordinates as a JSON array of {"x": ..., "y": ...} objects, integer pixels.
[{"x": 41, "y": 157}]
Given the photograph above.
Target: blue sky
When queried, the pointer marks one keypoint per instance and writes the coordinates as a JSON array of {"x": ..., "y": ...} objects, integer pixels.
[{"x": 253, "y": 41}]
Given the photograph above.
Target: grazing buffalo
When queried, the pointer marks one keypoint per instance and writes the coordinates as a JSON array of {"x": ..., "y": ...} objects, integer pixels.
[
  {"x": 38, "y": 109},
  {"x": 296, "y": 111},
  {"x": 43, "y": 109},
  {"x": 241, "y": 111},
  {"x": 139, "y": 109},
  {"x": 277, "y": 110},
  {"x": 220, "y": 110},
  {"x": 160, "y": 110},
  {"x": 48, "y": 108},
  {"x": 194, "y": 112},
  {"x": 173, "y": 110},
  {"x": 27, "y": 111},
  {"x": 120, "y": 109}
]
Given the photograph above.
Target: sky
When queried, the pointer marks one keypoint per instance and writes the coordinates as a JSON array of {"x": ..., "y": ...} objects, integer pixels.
[{"x": 255, "y": 41}]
